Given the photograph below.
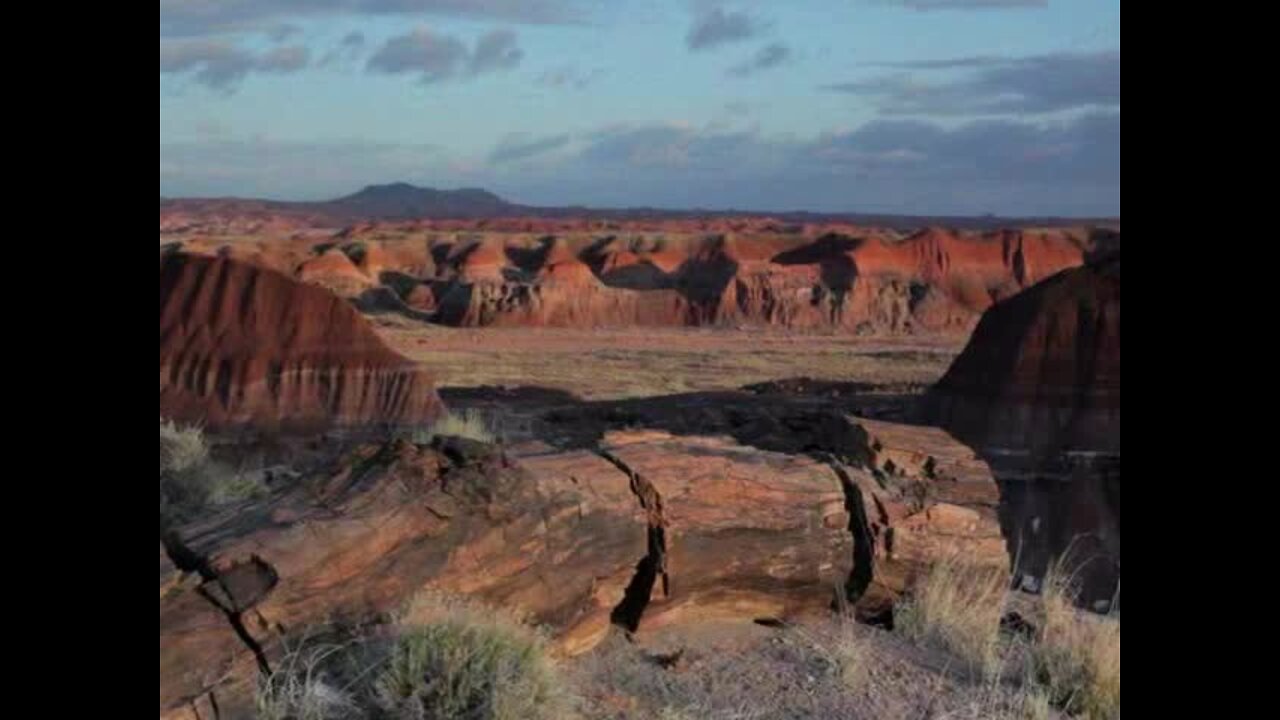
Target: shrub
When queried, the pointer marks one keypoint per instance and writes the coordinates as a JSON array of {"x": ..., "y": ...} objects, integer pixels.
[
  {"x": 183, "y": 454},
  {"x": 181, "y": 448},
  {"x": 189, "y": 481},
  {"x": 465, "y": 662}
]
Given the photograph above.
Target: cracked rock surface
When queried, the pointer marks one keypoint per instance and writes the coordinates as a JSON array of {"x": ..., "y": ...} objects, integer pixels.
[{"x": 643, "y": 529}]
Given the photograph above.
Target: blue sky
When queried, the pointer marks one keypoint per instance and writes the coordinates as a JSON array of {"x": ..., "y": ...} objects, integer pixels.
[{"x": 905, "y": 106}]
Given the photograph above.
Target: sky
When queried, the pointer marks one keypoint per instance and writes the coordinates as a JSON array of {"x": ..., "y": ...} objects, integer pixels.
[{"x": 968, "y": 107}]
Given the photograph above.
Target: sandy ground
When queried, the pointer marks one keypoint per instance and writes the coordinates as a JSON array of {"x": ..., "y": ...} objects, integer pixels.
[
  {"x": 816, "y": 669},
  {"x": 613, "y": 364}
]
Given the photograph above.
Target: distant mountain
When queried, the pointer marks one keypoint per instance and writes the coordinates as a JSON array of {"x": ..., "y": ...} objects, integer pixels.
[{"x": 402, "y": 201}]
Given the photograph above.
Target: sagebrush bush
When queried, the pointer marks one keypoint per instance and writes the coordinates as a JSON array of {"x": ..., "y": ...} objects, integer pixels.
[
  {"x": 182, "y": 448},
  {"x": 466, "y": 662},
  {"x": 190, "y": 481},
  {"x": 444, "y": 658},
  {"x": 957, "y": 607}
]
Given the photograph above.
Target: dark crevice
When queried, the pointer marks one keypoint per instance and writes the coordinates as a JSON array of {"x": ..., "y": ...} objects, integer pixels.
[
  {"x": 653, "y": 565},
  {"x": 232, "y": 592},
  {"x": 213, "y": 707},
  {"x": 183, "y": 557},
  {"x": 635, "y": 599},
  {"x": 237, "y": 625},
  {"x": 864, "y": 542}
]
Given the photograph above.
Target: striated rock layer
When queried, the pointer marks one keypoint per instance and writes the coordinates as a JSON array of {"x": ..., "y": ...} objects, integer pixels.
[
  {"x": 246, "y": 347},
  {"x": 934, "y": 281},
  {"x": 855, "y": 280}
]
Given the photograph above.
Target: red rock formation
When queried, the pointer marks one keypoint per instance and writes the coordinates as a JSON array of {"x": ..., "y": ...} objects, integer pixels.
[
  {"x": 334, "y": 271},
  {"x": 480, "y": 261},
  {"x": 242, "y": 346},
  {"x": 280, "y": 255},
  {"x": 401, "y": 256},
  {"x": 1042, "y": 370},
  {"x": 935, "y": 281},
  {"x": 568, "y": 297}
]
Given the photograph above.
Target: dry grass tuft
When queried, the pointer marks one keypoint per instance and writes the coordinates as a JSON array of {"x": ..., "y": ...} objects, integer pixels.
[
  {"x": 1077, "y": 656},
  {"x": 849, "y": 650},
  {"x": 469, "y": 423},
  {"x": 957, "y": 607},
  {"x": 307, "y": 686}
]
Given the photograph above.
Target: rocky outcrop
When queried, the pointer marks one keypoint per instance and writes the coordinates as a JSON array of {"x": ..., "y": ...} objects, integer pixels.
[
  {"x": 640, "y": 528},
  {"x": 246, "y": 347},
  {"x": 741, "y": 532},
  {"x": 912, "y": 493},
  {"x": 926, "y": 497},
  {"x": 564, "y": 535}
]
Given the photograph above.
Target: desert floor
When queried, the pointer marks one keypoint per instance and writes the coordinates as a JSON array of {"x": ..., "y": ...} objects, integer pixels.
[{"x": 640, "y": 362}]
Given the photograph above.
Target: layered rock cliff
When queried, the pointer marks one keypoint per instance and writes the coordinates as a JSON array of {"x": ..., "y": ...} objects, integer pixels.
[
  {"x": 246, "y": 347},
  {"x": 1037, "y": 393}
]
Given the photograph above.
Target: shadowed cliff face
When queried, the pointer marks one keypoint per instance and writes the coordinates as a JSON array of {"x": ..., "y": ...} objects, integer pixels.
[
  {"x": 246, "y": 347},
  {"x": 1042, "y": 370},
  {"x": 1037, "y": 393}
]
